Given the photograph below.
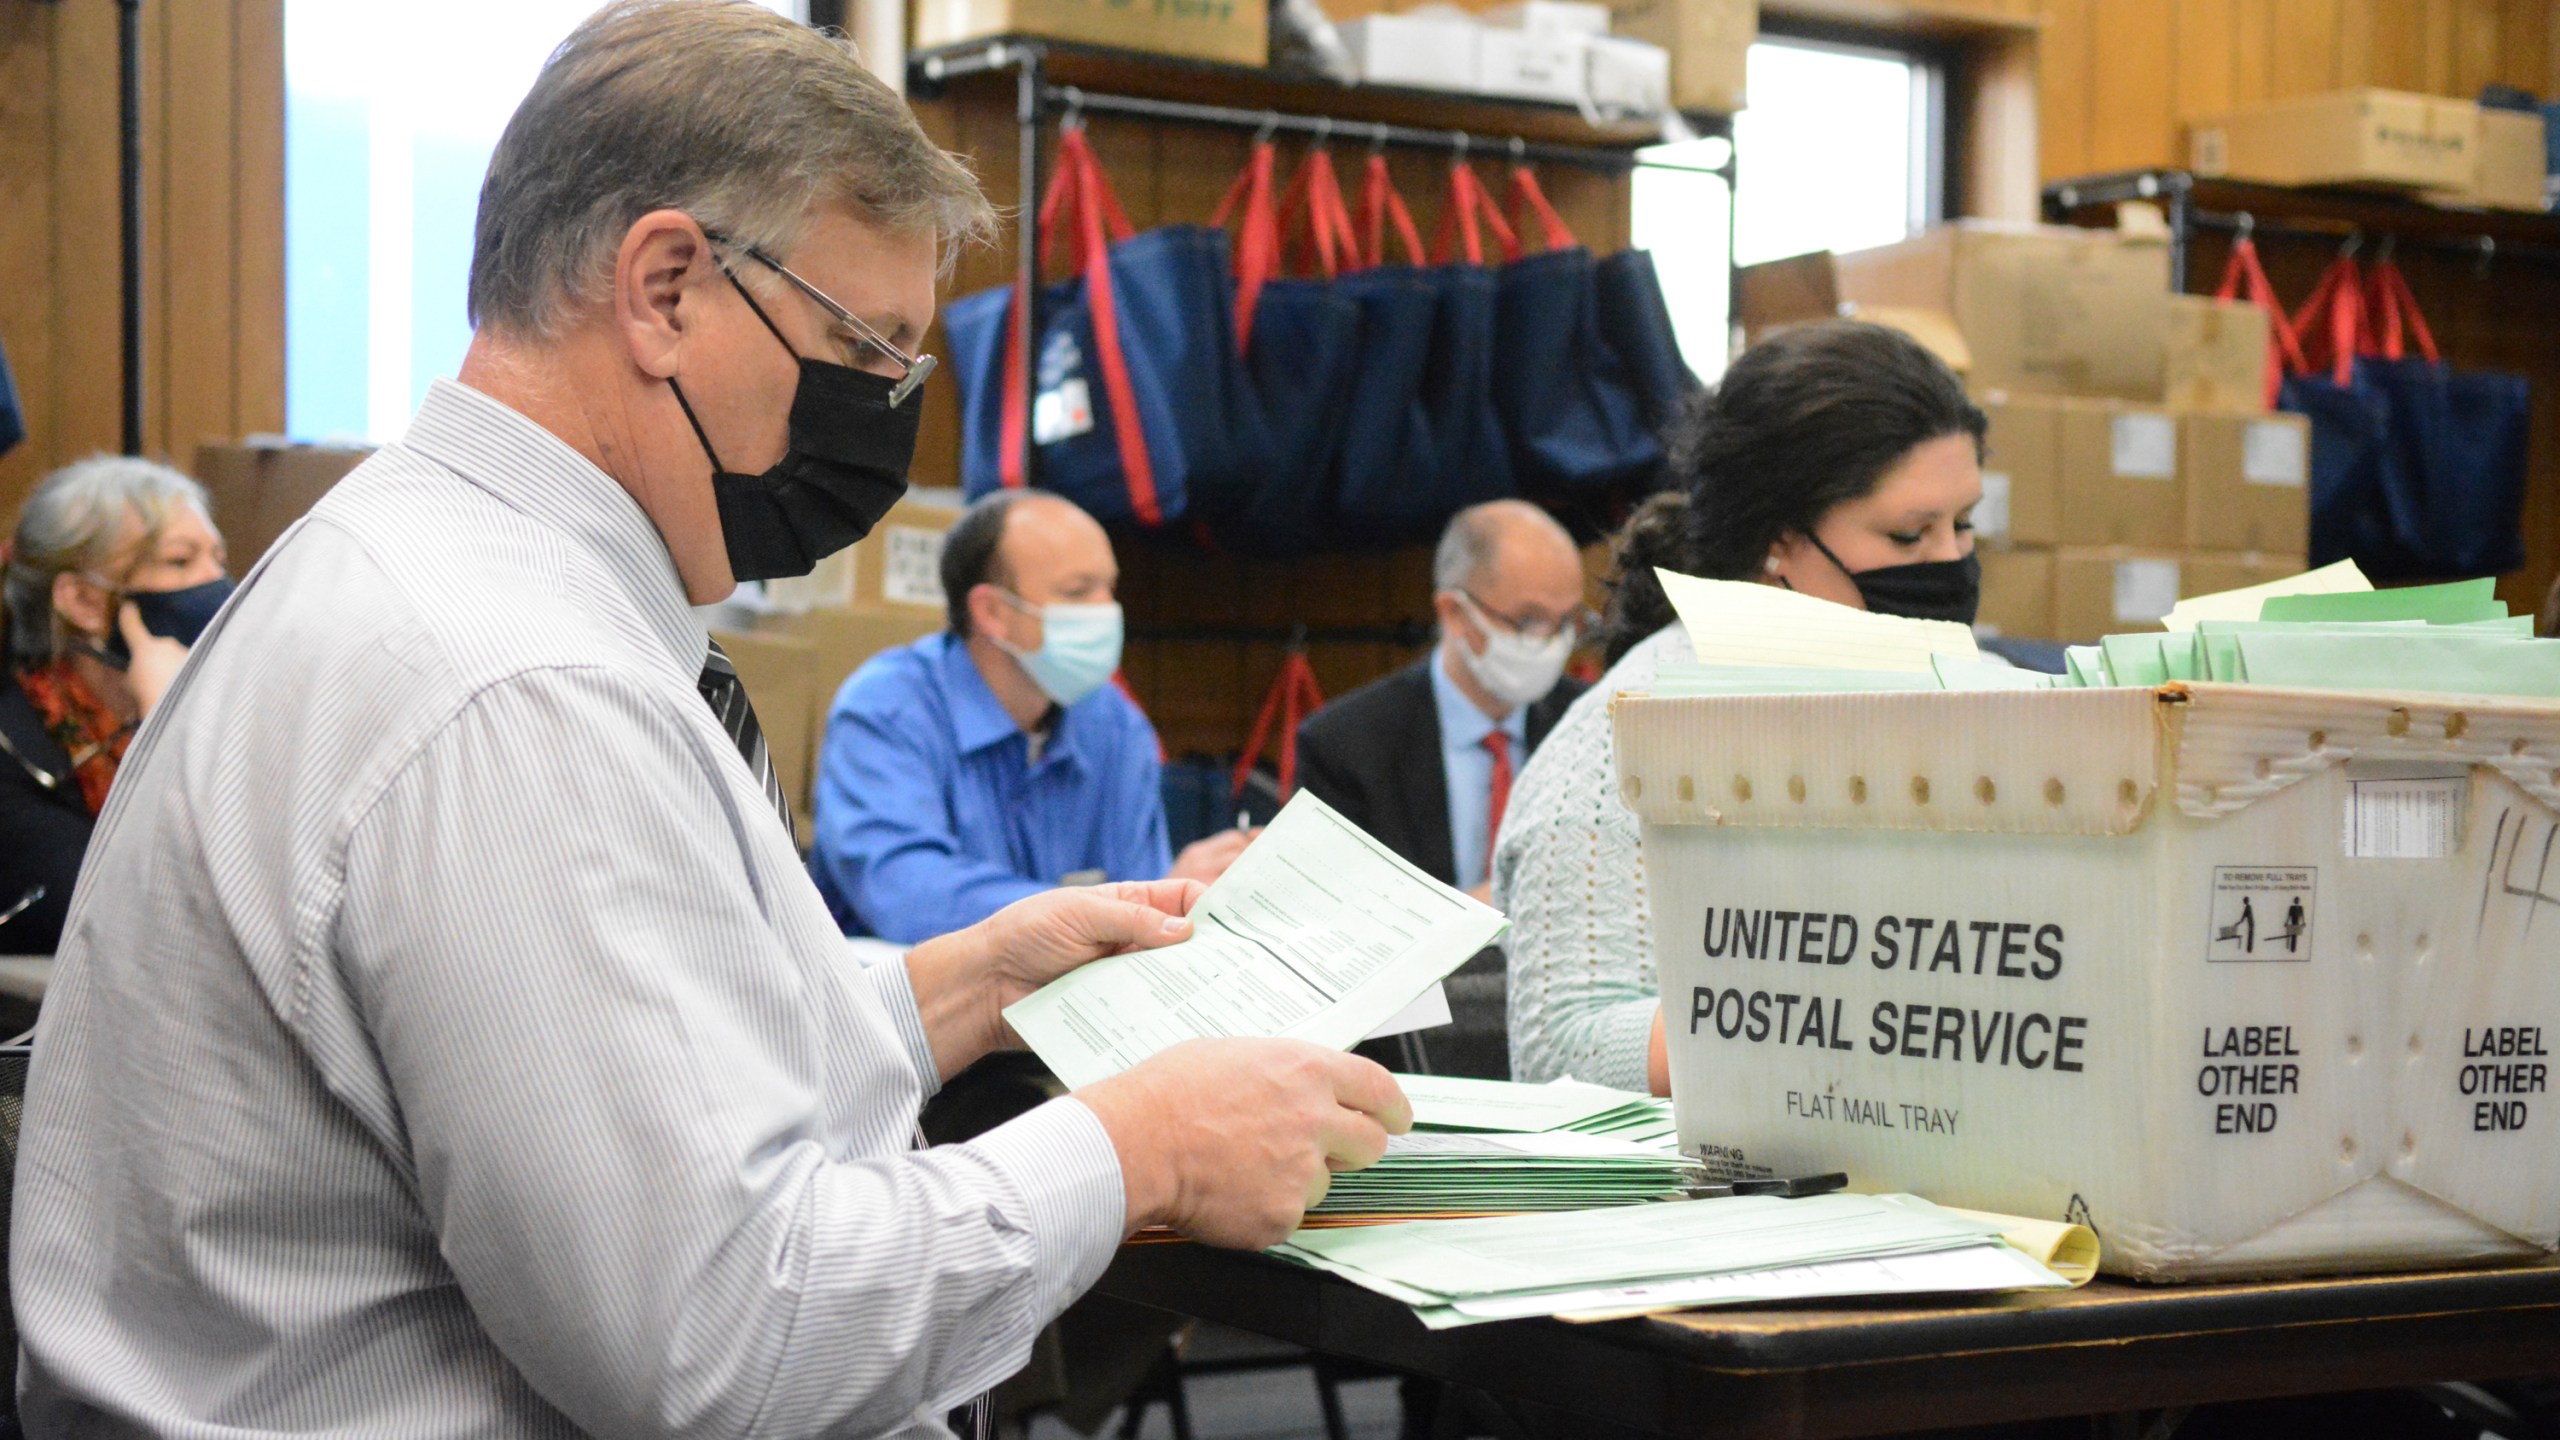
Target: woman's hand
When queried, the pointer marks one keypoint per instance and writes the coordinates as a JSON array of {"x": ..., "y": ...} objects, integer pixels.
[{"x": 156, "y": 659}]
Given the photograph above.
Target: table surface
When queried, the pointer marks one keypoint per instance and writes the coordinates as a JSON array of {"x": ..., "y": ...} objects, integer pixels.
[{"x": 1867, "y": 1368}]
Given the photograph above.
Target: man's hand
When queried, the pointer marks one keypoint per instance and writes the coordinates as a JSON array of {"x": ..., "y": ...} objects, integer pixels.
[
  {"x": 156, "y": 659},
  {"x": 964, "y": 980},
  {"x": 1229, "y": 1141},
  {"x": 1206, "y": 860}
]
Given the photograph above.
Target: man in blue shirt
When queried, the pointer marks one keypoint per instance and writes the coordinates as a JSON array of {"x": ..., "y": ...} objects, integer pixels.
[{"x": 997, "y": 759}]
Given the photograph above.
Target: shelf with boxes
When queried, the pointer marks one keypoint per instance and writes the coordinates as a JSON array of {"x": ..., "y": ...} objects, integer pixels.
[{"x": 1636, "y": 58}]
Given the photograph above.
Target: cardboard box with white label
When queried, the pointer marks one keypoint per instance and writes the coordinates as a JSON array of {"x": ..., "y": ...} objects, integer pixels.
[
  {"x": 2021, "y": 471},
  {"x": 2104, "y": 590},
  {"x": 2120, "y": 476},
  {"x": 2254, "y": 982},
  {"x": 2248, "y": 481},
  {"x": 898, "y": 565}
]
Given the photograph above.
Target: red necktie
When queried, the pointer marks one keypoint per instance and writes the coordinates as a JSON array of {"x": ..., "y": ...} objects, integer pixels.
[{"x": 1498, "y": 744}]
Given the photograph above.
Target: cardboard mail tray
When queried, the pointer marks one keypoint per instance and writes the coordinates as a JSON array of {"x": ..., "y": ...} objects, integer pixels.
[{"x": 2255, "y": 982}]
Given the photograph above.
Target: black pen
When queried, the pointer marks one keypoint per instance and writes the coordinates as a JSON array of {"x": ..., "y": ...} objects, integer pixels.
[{"x": 1787, "y": 1188}]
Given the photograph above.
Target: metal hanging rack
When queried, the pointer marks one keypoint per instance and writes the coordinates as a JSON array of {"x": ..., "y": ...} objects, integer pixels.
[
  {"x": 2414, "y": 226},
  {"x": 1036, "y": 100}
]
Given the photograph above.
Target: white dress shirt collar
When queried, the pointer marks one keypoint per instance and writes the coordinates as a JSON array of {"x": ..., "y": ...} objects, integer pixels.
[{"x": 535, "y": 472}]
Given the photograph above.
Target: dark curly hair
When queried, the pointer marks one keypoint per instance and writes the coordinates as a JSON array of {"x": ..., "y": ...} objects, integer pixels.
[{"x": 1806, "y": 420}]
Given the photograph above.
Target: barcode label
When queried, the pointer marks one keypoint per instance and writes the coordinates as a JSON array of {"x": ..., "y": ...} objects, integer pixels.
[{"x": 2405, "y": 819}]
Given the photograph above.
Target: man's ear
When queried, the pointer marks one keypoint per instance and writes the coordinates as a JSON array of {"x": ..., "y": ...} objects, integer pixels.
[
  {"x": 657, "y": 274},
  {"x": 987, "y": 610},
  {"x": 1454, "y": 620}
]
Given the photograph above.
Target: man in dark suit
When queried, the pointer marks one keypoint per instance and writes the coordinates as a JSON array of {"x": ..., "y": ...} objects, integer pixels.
[{"x": 1424, "y": 758}]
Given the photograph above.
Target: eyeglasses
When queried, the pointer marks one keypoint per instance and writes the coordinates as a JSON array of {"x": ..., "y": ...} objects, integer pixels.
[
  {"x": 1580, "y": 621},
  {"x": 912, "y": 369}
]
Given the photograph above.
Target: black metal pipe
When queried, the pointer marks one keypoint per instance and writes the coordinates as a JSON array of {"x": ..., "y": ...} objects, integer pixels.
[
  {"x": 2479, "y": 247},
  {"x": 1026, "y": 218},
  {"x": 1611, "y": 159},
  {"x": 129, "y": 201}
]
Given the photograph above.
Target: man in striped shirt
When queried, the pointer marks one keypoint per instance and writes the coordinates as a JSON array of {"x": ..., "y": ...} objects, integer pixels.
[{"x": 446, "y": 1038}]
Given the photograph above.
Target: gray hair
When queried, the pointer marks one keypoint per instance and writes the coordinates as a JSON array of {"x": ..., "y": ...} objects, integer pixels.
[
  {"x": 1475, "y": 535},
  {"x": 744, "y": 119},
  {"x": 71, "y": 524}
]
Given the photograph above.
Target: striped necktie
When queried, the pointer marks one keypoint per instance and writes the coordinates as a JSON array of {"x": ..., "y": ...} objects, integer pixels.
[{"x": 727, "y": 696}]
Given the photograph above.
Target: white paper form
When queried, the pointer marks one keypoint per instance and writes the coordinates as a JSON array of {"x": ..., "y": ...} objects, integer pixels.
[
  {"x": 1974, "y": 1268},
  {"x": 1317, "y": 932}
]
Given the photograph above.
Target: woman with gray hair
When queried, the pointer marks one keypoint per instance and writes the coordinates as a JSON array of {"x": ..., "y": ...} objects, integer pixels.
[{"x": 113, "y": 571}]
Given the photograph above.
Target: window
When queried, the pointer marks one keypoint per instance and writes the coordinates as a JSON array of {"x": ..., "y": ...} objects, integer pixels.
[
  {"x": 391, "y": 111},
  {"x": 1843, "y": 147},
  {"x": 1840, "y": 149}
]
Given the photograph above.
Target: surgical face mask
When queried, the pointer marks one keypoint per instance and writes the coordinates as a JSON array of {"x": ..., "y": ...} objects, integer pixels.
[
  {"x": 1928, "y": 590},
  {"x": 851, "y": 443},
  {"x": 179, "y": 615},
  {"x": 1513, "y": 668},
  {"x": 1079, "y": 648}
]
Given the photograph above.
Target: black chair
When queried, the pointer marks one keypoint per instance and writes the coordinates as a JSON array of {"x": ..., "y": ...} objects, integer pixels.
[{"x": 13, "y": 1108}]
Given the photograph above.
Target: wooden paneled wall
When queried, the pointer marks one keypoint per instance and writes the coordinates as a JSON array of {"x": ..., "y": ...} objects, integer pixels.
[
  {"x": 213, "y": 243},
  {"x": 2120, "y": 79}
]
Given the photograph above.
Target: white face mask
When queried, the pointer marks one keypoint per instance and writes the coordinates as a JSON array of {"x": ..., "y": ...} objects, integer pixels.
[{"x": 1513, "y": 668}]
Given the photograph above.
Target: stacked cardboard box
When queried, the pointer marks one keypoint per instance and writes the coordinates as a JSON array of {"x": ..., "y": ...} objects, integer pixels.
[
  {"x": 884, "y": 592},
  {"x": 261, "y": 485},
  {"x": 1237, "y": 32},
  {"x": 2448, "y": 151},
  {"x": 2129, "y": 442}
]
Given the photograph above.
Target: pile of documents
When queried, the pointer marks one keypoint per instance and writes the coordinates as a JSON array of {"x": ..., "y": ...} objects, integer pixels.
[
  {"x": 2432, "y": 639},
  {"x": 1604, "y": 1264},
  {"x": 2325, "y": 630},
  {"x": 1574, "y": 1195},
  {"x": 1449, "y": 1173}
]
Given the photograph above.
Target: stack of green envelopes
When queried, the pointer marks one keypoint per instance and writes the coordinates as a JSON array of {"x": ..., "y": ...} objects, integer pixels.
[
  {"x": 2452, "y": 639},
  {"x": 1442, "y": 1172}
]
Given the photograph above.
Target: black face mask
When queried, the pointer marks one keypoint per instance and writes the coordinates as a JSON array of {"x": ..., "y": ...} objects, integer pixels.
[
  {"x": 1929, "y": 590},
  {"x": 846, "y": 465},
  {"x": 179, "y": 615}
]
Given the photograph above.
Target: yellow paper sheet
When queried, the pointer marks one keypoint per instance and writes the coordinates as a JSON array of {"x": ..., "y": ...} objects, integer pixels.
[
  {"x": 2244, "y": 603},
  {"x": 1732, "y": 622},
  {"x": 2070, "y": 1251}
]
